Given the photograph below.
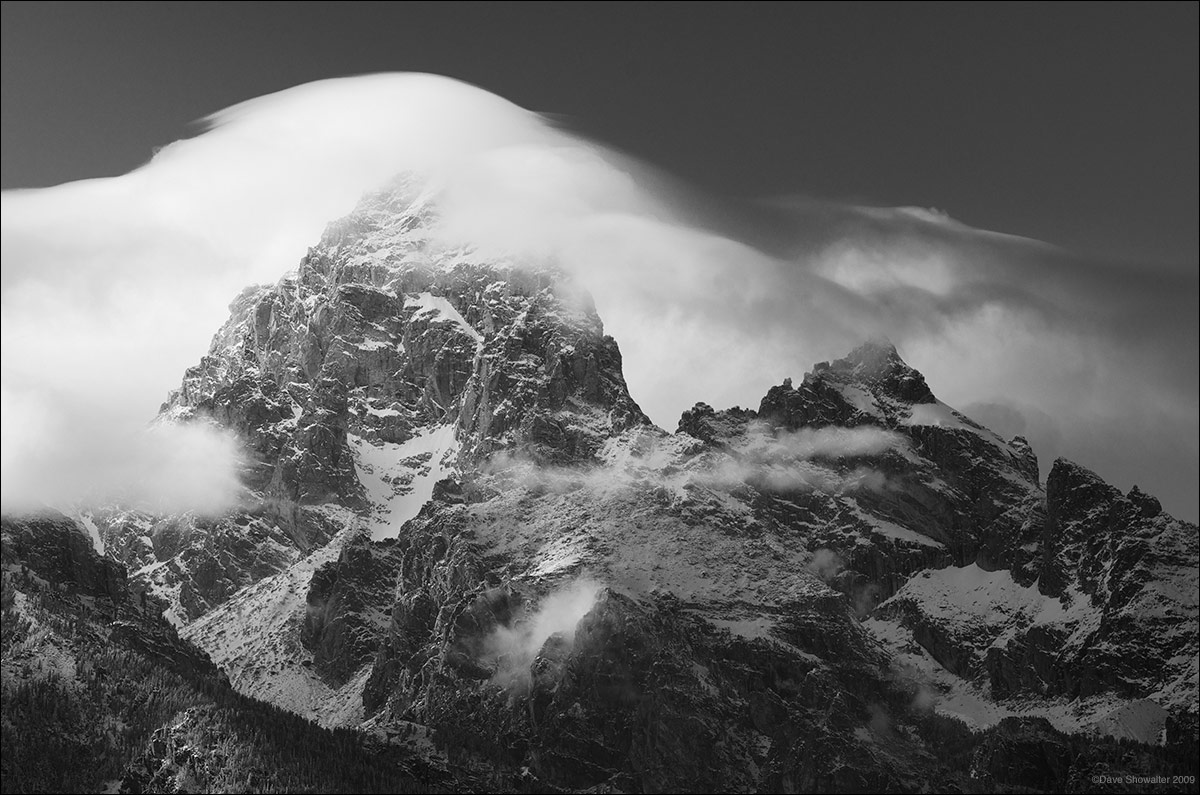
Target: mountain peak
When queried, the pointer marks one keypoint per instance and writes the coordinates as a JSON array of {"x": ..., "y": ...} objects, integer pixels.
[
  {"x": 877, "y": 366},
  {"x": 384, "y": 336},
  {"x": 871, "y": 384},
  {"x": 1147, "y": 504}
]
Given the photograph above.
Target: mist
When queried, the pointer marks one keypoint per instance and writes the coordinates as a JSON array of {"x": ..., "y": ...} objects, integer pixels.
[
  {"x": 112, "y": 287},
  {"x": 808, "y": 459},
  {"x": 163, "y": 467},
  {"x": 761, "y": 444},
  {"x": 826, "y": 564},
  {"x": 514, "y": 648}
]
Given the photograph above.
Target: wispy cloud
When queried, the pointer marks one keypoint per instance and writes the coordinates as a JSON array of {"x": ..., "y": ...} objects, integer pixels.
[{"x": 809, "y": 459}]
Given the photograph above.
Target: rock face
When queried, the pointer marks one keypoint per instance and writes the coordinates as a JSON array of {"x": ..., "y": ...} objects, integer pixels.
[
  {"x": 346, "y": 603},
  {"x": 462, "y": 533},
  {"x": 59, "y": 550}
]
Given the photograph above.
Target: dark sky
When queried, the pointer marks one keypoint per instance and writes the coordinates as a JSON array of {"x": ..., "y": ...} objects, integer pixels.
[{"x": 1073, "y": 123}]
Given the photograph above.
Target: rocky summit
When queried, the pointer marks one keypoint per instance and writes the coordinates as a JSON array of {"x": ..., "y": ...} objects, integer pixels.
[{"x": 462, "y": 545}]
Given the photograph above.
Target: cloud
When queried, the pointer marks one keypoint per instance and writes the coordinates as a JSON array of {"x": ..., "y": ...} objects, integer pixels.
[
  {"x": 806, "y": 443},
  {"x": 112, "y": 287},
  {"x": 809, "y": 459},
  {"x": 925, "y": 699},
  {"x": 163, "y": 467},
  {"x": 826, "y": 564},
  {"x": 513, "y": 648}
]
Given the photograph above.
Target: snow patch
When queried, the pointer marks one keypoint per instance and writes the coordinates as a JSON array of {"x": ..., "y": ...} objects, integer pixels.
[
  {"x": 1141, "y": 720},
  {"x": 85, "y": 519},
  {"x": 860, "y": 399},
  {"x": 970, "y": 597},
  {"x": 559, "y": 554},
  {"x": 428, "y": 302},
  {"x": 399, "y": 478},
  {"x": 894, "y": 531}
]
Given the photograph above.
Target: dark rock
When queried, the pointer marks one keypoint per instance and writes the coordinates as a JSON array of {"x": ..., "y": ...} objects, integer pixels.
[
  {"x": 56, "y": 548},
  {"x": 339, "y": 624},
  {"x": 1023, "y": 753}
]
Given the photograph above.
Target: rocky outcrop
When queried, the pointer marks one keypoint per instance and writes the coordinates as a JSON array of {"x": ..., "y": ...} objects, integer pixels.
[
  {"x": 57, "y": 549},
  {"x": 342, "y": 621},
  {"x": 711, "y": 426},
  {"x": 873, "y": 371},
  {"x": 1094, "y": 575}
]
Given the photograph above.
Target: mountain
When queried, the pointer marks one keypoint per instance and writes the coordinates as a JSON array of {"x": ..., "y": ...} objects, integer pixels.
[{"x": 461, "y": 538}]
